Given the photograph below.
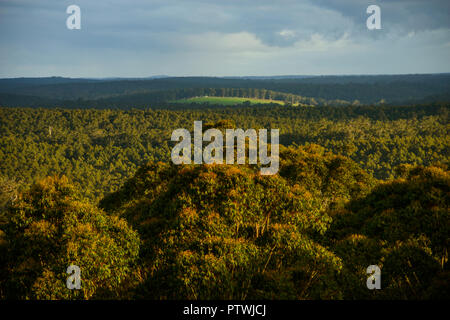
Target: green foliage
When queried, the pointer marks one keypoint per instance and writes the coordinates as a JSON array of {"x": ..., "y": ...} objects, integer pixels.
[
  {"x": 100, "y": 149},
  {"x": 226, "y": 232},
  {"x": 48, "y": 229},
  {"x": 331, "y": 178},
  {"x": 403, "y": 227}
]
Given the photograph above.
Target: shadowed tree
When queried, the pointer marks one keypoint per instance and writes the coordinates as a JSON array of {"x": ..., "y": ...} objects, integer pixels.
[{"x": 402, "y": 226}]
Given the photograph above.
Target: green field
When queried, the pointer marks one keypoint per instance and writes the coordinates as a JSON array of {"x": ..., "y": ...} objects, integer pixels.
[{"x": 227, "y": 101}]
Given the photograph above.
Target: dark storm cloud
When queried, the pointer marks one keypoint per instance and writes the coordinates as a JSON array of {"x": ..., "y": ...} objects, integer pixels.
[{"x": 407, "y": 15}]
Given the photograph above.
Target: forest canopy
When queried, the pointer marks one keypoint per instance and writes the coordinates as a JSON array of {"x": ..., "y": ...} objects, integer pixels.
[{"x": 357, "y": 186}]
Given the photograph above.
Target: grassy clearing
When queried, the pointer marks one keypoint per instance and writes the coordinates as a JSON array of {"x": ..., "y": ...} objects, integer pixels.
[{"x": 227, "y": 101}]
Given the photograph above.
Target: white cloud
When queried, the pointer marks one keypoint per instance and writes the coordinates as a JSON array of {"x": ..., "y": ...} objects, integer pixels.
[
  {"x": 287, "y": 33},
  {"x": 228, "y": 42},
  {"x": 318, "y": 42}
]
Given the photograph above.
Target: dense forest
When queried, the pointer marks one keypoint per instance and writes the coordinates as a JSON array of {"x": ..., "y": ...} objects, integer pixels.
[
  {"x": 99, "y": 149},
  {"x": 358, "y": 185},
  {"x": 143, "y": 93}
]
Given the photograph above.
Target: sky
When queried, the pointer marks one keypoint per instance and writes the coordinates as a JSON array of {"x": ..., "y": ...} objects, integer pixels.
[{"x": 141, "y": 38}]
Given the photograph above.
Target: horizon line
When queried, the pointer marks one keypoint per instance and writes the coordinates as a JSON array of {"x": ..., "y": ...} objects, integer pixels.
[{"x": 155, "y": 77}]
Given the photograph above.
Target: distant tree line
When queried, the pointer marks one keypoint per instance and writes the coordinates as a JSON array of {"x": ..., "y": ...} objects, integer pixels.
[{"x": 76, "y": 93}]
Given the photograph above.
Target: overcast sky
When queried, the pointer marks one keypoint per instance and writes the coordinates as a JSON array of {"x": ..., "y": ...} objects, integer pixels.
[{"x": 140, "y": 38}]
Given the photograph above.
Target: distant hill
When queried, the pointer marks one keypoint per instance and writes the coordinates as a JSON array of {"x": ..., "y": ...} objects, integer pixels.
[{"x": 363, "y": 89}]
